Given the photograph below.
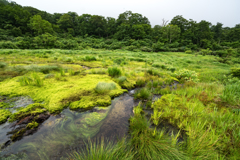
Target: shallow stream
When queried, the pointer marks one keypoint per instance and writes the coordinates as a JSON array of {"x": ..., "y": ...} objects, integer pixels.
[{"x": 59, "y": 135}]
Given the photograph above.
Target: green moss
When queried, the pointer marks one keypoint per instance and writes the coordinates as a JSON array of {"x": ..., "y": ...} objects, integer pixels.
[
  {"x": 32, "y": 125},
  {"x": 32, "y": 109},
  {"x": 4, "y": 114},
  {"x": 5, "y": 105},
  {"x": 54, "y": 92}
]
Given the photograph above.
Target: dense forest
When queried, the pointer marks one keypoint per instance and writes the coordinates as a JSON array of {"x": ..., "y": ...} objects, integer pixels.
[{"x": 29, "y": 28}]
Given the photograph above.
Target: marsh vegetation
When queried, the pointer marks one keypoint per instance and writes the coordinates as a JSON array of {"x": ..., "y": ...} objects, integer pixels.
[{"x": 179, "y": 106}]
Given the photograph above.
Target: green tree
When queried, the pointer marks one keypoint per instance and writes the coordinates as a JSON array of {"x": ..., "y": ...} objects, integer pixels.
[
  {"x": 40, "y": 26},
  {"x": 171, "y": 33},
  {"x": 181, "y": 22},
  {"x": 65, "y": 22}
]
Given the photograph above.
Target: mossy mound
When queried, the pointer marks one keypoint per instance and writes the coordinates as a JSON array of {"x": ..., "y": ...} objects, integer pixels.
[{"x": 54, "y": 93}]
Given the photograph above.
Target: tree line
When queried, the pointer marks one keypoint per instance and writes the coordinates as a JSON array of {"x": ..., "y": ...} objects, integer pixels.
[{"x": 19, "y": 23}]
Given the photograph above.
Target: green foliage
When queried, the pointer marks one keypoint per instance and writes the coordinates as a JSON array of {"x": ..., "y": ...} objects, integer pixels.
[
  {"x": 103, "y": 87},
  {"x": 114, "y": 72},
  {"x": 188, "y": 52}
]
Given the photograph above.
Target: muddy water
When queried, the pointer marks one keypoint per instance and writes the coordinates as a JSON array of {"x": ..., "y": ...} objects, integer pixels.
[{"x": 61, "y": 134}]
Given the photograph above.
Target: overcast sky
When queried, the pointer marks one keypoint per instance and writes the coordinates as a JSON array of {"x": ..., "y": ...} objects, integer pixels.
[{"x": 224, "y": 11}]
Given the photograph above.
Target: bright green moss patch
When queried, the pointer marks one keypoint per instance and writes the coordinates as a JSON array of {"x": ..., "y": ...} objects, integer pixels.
[
  {"x": 54, "y": 92},
  {"x": 5, "y": 105},
  {"x": 4, "y": 114},
  {"x": 32, "y": 109},
  {"x": 32, "y": 125}
]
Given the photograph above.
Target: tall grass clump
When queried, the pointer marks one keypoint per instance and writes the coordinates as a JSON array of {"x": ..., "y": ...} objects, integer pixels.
[
  {"x": 121, "y": 79},
  {"x": 104, "y": 151},
  {"x": 25, "y": 80},
  {"x": 34, "y": 80},
  {"x": 37, "y": 81},
  {"x": 143, "y": 94},
  {"x": 71, "y": 72},
  {"x": 104, "y": 87},
  {"x": 89, "y": 58},
  {"x": 114, "y": 71},
  {"x": 3, "y": 65},
  {"x": 149, "y": 143},
  {"x": 140, "y": 82},
  {"x": 231, "y": 92}
]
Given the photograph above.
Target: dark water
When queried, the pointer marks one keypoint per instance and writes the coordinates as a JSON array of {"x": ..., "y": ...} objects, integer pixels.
[{"x": 60, "y": 135}]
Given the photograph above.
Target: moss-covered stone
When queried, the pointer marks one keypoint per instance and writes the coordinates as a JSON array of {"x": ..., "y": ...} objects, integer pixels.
[
  {"x": 32, "y": 109},
  {"x": 4, "y": 114},
  {"x": 32, "y": 125}
]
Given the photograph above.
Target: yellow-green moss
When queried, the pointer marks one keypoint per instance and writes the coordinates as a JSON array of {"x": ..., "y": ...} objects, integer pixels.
[
  {"x": 4, "y": 114},
  {"x": 32, "y": 125},
  {"x": 54, "y": 92}
]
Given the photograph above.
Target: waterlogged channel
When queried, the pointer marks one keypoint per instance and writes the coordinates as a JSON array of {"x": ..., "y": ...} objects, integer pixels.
[{"x": 61, "y": 134}]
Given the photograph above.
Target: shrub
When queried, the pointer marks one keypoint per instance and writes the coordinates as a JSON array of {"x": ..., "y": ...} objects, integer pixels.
[
  {"x": 188, "y": 52},
  {"x": 146, "y": 49},
  {"x": 103, "y": 87},
  {"x": 114, "y": 72}
]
